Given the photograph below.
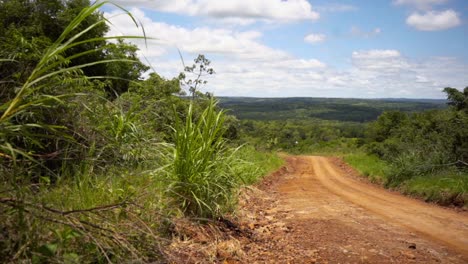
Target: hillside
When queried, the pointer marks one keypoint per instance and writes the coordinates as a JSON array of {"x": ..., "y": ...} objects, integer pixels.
[{"x": 340, "y": 109}]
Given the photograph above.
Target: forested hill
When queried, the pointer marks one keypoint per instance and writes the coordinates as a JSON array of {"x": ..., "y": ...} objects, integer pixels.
[{"x": 341, "y": 109}]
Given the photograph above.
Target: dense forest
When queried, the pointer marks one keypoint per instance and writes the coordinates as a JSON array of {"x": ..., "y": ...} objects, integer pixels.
[
  {"x": 98, "y": 162},
  {"x": 339, "y": 109}
]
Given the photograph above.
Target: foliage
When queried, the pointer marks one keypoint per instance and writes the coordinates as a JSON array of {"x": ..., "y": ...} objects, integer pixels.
[
  {"x": 85, "y": 162},
  {"x": 29, "y": 27},
  {"x": 424, "y": 149},
  {"x": 199, "y": 70},
  {"x": 446, "y": 187},
  {"x": 250, "y": 165},
  {"x": 333, "y": 109},
  {"x": 86, "y": 219},
  {"x": 32, "y": 132},
  {"x": 203, "y": 185},
  {"x": 457, "y": 99},
  {"x": 300, "y": 136},
  {"x": 420, "y": 143},
  {"x": 124, "y": 70},
  {"x": 368, "y": 165}
]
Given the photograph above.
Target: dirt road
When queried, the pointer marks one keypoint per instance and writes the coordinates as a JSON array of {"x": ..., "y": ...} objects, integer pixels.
[{"x": 317, "y": 211}]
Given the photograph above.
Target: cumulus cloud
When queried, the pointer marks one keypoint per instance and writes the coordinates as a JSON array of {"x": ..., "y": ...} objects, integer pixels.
[
  {"x": 243, "y": 44},
  {"x": 245, "y": 66},
  {"x": 378, "y": 63},
  {"x": 433, "y": 20},
  {"x": 387, "y": 73},
  {"x": 242, "y": 10},
  {"x": 420, "y": 4},
  {"x": 314, "y": 38}
]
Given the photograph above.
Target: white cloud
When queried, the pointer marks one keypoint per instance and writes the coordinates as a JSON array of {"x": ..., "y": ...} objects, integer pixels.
[
  {"x": 378, "y": 63},
  {"x": 388, "y": 73},
  {"x": 420, "y": 4},
  {"x": 314, "y": 38},
  {"x": 376, "y": 54},
  {"x": 357, "y": 32},
  {"x": 245, "y": 66},
  {"x": 242, "y": 10},
  {"x": 334, "y": 7},
  {"x": 433, "y": 20},
  {"x": 243, "y": 44}
]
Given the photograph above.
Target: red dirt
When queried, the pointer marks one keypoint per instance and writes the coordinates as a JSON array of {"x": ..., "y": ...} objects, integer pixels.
[{"x": 315, "y": 210}]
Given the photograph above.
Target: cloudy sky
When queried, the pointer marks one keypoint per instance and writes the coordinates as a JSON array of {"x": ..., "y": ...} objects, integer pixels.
[{"x": 307, "y": 48}]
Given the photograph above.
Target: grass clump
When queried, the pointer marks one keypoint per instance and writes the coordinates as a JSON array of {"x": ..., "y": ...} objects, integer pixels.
[
  {"x": 252, "y": 165},
  {"x": 205, "y": 171},
  {"x": 446, "y": 188},
  {"x": 202, "y": 183},
  {"x": 368, "y": 165}
]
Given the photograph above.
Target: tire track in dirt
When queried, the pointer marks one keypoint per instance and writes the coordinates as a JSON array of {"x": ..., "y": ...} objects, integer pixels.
[
  {"x": 334, "y": 217},
  {"x": 436, "y": 223},
  {"x": 315, "y": 210}
]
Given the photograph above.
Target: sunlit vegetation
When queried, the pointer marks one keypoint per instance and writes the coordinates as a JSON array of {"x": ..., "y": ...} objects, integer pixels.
[
  {"x": 337, "y": 109},
  {"x": 95, "y": 161},
  {"x": 418, "y": 147}
]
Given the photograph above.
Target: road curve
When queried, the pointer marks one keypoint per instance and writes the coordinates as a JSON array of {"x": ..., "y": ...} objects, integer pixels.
[{"x": 436, "y": 223}]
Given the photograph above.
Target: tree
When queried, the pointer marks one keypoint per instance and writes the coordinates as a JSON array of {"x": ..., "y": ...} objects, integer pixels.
[
  {"x": 386, "y": 124},
  {"x": 130, "y": 68},
  {"x": 199, "y": 70},
  {"x": 29, "y": 27},
  {"x": 457, "y": 98}
]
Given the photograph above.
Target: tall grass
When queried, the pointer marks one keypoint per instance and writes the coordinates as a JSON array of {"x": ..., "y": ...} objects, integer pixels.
[
  {"x": 369, "y": 165},
  {"x": 85, "y": 218},
  {"x": 446, "y": 187},
  {"x": 27, "y": 122},
  {"x": 250, "y": 165},
  {"x": 116, "y": 214},
  {"x": 202, "y": 183}
]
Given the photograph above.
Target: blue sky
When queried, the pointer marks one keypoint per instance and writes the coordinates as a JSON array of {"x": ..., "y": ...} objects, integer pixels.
[{"x": 302, "y": 48}]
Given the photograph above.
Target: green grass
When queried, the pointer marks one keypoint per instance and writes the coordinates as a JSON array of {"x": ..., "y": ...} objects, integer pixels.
[
  {"x": 205, "y": 171},
  {"x": 118, "y": 216},
  {"x": 105, "y": 208},
  {"x": 202, "y": 182},
  {"x": 445, "y": 188},
  {"x": 85, "y": 219},
  {"x": 368, "y": 165},
  {"x": 252, "y": 165}
]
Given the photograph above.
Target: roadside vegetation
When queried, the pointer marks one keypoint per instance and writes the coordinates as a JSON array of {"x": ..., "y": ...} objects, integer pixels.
[
  {"x": 96, "y": 163},
  {"x": 427, "y": 152},
  {"x": 418, "y": 148}
]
